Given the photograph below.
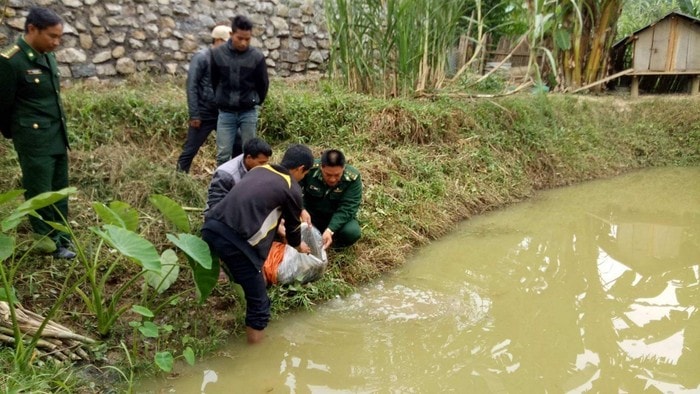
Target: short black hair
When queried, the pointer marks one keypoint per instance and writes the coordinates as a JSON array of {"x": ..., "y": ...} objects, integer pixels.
[
  {"x": 241, "y": 22},
  {"x": 332, "y": 158},
  {"x": 298, "y": 155},
  {"x": 41, "y": 18},
  {"x": 256, "y": 147}
]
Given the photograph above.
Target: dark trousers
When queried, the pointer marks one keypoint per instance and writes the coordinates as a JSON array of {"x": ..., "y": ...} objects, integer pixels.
[
  {"x": 42, "y": 174},
  {"x": 242, "y": 271},
  {"x": 195, "y": 139}
]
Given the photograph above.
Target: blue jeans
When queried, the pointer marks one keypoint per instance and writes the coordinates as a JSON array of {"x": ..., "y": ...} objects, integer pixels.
[{"x": 232, "y": 126}]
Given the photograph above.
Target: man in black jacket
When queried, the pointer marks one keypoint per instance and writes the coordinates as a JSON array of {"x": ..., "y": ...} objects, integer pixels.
[
  {"x": 200, "y": 100},
  {"x": 241, "y": 227},
  {"x": 240, "y": 82}
]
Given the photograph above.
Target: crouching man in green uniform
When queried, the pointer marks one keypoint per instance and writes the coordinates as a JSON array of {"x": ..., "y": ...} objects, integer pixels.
[
  {"x": 32, "y": 115},
  {"x": 332, "y": 196}
]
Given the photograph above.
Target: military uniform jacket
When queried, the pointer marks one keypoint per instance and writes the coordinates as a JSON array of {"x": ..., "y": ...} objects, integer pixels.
[
  {"x": 30, "y": 104},
  {"x": 337, "y": 205}
]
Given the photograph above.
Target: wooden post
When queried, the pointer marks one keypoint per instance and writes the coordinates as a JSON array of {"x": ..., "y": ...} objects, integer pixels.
[
  {"x": 695, "y": 85},
  {"x": 634, "y": 89}
]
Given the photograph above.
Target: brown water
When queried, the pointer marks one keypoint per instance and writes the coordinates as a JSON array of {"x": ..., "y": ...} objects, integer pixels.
[{"x": 589, "y": 288}]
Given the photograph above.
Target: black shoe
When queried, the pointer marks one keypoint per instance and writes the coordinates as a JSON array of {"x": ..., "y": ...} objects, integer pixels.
[{"x": 64, "y": 253}]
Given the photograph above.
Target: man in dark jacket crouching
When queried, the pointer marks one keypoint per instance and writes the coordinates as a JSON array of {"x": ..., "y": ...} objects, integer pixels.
[{"x": 241, "y": 227}]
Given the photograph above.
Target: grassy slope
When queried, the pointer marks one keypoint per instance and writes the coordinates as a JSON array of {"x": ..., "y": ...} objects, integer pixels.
[{"x": 426, "y": 164}]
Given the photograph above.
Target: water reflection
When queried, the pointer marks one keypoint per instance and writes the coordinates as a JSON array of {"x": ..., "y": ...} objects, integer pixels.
[
  {"x": 644, "y": 261},
  {"x": 592, "y": 288}
]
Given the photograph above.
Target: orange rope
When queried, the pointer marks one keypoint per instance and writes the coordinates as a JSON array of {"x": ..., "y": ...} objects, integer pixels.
[{"x": 273, "y": 261}]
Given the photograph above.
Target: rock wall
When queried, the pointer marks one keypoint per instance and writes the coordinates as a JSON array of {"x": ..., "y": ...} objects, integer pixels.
[{"x": 113, "y": 38}]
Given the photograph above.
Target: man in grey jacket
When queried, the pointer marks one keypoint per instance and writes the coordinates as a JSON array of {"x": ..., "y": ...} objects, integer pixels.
[
  {"x": 256, "y": 152},
  {"x": 200, "y": 100},
  {"x": 240, "y": 82}
]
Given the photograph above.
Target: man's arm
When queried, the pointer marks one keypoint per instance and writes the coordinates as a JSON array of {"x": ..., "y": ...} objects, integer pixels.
[
  {"x": 291, "y": 212},
  {"x": 214, "y": 71},
  {"x": 221, "y": 183},
  {"x": 348, "y": 207},
  {"x": 7, "y": 96},
  {"x": 194, "y": 79},
  {"x": 262, "y": 82}
]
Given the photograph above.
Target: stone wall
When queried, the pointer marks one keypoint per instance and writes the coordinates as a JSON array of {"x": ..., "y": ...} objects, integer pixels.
[{"x": 113, "y": 38}]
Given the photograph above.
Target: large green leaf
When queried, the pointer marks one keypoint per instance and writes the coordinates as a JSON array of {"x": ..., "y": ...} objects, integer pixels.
[
  {"x": 195, "y": 248},
  {"x": 205, "y": 278},
  {"x": 172, "y": 211},
  {"x": 45, "y": 199},
  {"x": 7, "y": 246},
  {"x": 164, "y": 361},
  {"x": 107, "y": 215},
  {"x": 11, "y": 195},
  {"x": 169, "y": 270},
  {"x": 30, "y": 206},
  {"x": 127, "y": 213},
  {"x": 188, "y": 353},
  {"x": 149, "y": 329},
  {"x": 131, "y": 245},
  {"x": 205, "y": 268}
]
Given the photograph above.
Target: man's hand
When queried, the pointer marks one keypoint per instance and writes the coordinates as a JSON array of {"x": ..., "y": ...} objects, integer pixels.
[
  {"x": 303, "y": 248},
  {"x": 306, "y": 217},
  {"x": 327, "y": 238},
  {"x": 195, "y": 123},
  {"x": 281, "y": 230}
]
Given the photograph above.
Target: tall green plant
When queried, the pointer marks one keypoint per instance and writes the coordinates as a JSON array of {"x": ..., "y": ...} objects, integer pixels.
[
  {"x": 583, "y": 35},
  {"x": 393, "y": 47},
  {"x": 119, "y": 231}
]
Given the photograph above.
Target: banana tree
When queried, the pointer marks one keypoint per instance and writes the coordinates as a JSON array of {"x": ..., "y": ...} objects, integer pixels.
[{"x": 583, "y": 37}]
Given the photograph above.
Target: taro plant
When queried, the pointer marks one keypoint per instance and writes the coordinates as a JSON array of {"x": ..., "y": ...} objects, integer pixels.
[
  {"x": 119, "y": 231},
  {"x": 150, "y": 330}
]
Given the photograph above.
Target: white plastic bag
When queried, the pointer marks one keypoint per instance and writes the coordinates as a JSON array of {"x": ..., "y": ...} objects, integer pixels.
[{"x": 302, "y": 267}]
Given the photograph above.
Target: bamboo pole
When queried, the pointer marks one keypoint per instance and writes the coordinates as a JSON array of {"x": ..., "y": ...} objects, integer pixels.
[{"x": 596, "y": 83}]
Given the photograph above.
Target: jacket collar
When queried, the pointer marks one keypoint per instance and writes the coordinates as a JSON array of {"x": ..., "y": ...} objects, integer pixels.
[
  {"x": 32, "y": 54},
  {"x": 229, "y": 45}
]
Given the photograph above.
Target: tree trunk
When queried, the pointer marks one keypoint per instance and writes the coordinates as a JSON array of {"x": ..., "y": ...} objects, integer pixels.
[{"x": 591, "y": 25}]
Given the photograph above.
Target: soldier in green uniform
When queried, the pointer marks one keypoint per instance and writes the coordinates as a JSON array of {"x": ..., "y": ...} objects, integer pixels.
[
  {"x": 32, "y": 115},
  {"x": 332, "y": 196}
]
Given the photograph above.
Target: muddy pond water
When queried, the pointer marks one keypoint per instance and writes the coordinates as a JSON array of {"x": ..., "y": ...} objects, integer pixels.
[{"x": 588, "y": 288}]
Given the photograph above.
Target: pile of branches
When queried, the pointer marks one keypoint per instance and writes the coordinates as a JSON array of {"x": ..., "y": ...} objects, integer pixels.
[{"x": 55, "y": 341}]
